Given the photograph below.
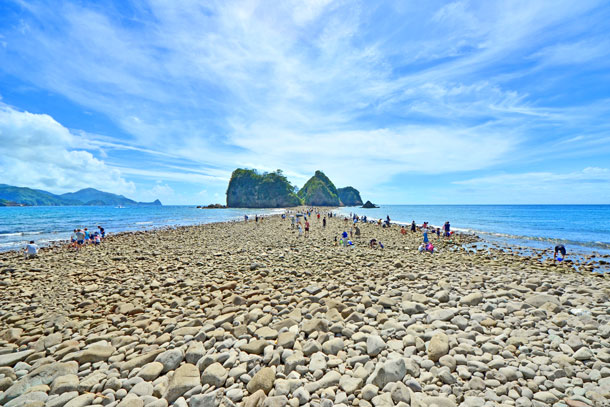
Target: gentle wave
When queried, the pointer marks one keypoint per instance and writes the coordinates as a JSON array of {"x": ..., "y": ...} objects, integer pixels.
[{"x": 36, "y": 232}]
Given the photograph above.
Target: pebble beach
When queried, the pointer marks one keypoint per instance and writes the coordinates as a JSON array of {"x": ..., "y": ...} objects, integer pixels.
[{"x": 252, "y": 314}]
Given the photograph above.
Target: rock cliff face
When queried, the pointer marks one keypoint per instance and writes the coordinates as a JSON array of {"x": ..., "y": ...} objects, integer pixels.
[
  {"x": 349, "y": 196},
  {"x": 319, "y": 191},
  {"x": 249, "y": 189}
]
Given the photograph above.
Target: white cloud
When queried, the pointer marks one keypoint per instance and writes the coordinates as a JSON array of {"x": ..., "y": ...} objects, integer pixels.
[
  {"x": 308, "y": 85},
  {"x": 160, "y": 190},
  {"x": 590, "y": 185},
  {"x": 38, "y": 152}
]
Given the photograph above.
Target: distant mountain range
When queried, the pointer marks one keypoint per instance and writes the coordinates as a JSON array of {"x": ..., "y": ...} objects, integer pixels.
[{"x": 19, "y": 196}]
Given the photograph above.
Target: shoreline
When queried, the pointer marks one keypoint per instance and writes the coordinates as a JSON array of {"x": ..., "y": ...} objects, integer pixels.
[
  {"x": 236, "y": 312},
  {"x": 579, "y": 262}
]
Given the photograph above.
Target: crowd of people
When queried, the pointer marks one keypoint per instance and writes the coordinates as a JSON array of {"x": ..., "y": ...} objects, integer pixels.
[
  {"x": 79, "y": 238},
  {"x": 82, "y": 237}
]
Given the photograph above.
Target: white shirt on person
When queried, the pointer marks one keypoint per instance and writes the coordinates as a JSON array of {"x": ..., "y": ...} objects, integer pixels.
[{"x": 31, "y": 249}]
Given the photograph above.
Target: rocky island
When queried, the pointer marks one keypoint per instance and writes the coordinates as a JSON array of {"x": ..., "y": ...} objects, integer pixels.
[{"x": 249, "y": 189}]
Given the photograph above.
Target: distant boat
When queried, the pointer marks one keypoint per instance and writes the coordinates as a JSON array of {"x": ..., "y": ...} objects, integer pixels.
[{"x": 120, "y": 207}]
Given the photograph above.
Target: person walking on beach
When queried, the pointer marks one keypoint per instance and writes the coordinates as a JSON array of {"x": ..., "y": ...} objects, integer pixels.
[
  {"x": 424, "y": 230},
  {"x": 102, "y": 231},
  {"x": 31, "y": 250},
  {"x": 561, "y": 249},
  {"x": 306, "y": 228},
  {"x": 403, "y": 231},
  {"x": 447, "y": 228},
  {"x": 324, "y": 222},
  {"x": 413, "y": 227}
]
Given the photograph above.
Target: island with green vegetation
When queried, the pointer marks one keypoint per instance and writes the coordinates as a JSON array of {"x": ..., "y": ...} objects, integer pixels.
[
  {"x": 319, "y": 191},
  {"x": 349, "y": 196},
  {"x": 21, "y": 196},
  {"x": 249, "y": 189}
]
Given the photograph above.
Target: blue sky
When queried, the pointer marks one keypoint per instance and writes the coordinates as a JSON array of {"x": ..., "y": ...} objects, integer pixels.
[{"x": 408, "y": 101}]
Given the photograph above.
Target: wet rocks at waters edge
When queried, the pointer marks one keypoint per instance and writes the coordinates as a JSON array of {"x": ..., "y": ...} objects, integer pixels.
[{"x": 245, "y": 314}]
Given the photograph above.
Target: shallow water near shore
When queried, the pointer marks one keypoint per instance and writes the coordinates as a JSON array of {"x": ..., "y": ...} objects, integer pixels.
[
  {"x": 48, "y": 224},
  {"x": 584, "y": 229}
]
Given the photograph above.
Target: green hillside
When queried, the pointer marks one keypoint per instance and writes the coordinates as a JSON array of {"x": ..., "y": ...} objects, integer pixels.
[
  {"x": 319, "y": 191},
  {"x": 349, "y": 196},
  {"x": 88, "y": 196},
  {"x": 249, "y": 189}
]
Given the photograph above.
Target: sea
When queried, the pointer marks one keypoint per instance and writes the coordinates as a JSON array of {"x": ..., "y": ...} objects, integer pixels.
[
  {"x": 583, "y": 229},
  {"x": 49, "y": 224}
]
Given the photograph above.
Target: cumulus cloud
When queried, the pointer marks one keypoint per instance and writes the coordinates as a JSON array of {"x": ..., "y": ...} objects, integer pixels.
[
  {"x": 38, "y": 152},
  {"x": 364, "y": 92}
]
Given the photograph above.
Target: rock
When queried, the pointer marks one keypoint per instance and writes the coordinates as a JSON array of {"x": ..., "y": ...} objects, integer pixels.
[
  {"x": 214, "y": 375},
  {"x": 11, "y": 358},
  {"x": 255, "y": 400},
  {"x": 266, "y": 333},
  {"x": 27, "y": 399},
  {"x": 546, "y": 397},
  {"x": 277, "y": 401},
  {"x": 538, "y": 300},
  {"x": 350, "y": 384},
  {"x": 333, "y": 346},
  {"x": 369, "y": 391},
  {"x": 314, "y": 324},
  {"x": 412, "y": 308},
  {"x": 170, "y": 359},
  {"x": 81, "y": 401},
  {"x": 400, "y": 392},
  {"x": 95, "y": 353},
  {"x": 262, "y": 380},
  {"x": 150, "y": 371},
  {"x": 255, "y": 347},
  {"x": 391, "y": 371},
  {"x": 438, "y": 346},
  {"x": 583, "y": 354},
  {"x": 142, "y": 389},
  {"x": 472, "y": 299},
  {"x": 211, "y": 399},
  {"x": 140, "y": 361},
  {"x": 374, "y": 345},
  {"x": 302, "y": 395},
  {"x": 63, "y": 384},
  {"x": 286, "y": 339},
  {"x": 61, "y": 400},
  {"x": 184, "y": 378},
  {"x": 383, "y": 400},
  {"x": 443, "y": 314},
  {"x": 194, "y": 352},
  {"x": 131, "y": 401},
  {"x": 43, "y": 375}
]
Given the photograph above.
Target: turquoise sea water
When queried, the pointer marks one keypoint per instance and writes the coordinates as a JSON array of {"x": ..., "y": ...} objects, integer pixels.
[
  {"x": 581, "y": 228},
  {"x": 45, "y": 224}
]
